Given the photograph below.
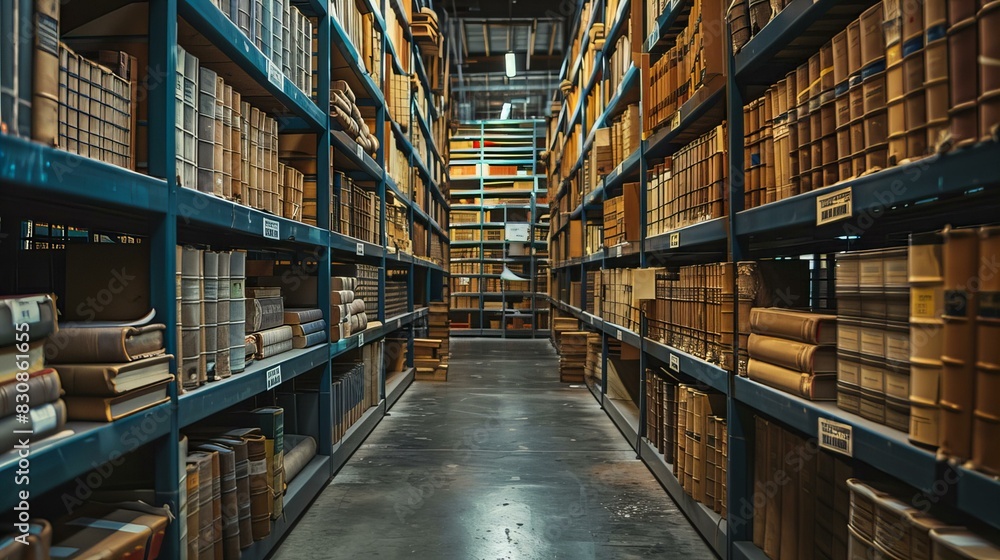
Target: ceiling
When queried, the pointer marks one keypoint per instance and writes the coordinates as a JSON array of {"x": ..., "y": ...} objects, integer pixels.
[{"x": 481, "y": 32}]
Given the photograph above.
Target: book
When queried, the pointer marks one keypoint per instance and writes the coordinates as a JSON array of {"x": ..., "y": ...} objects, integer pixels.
[
  {"x": 309, "y": 340},
  {"x": 45, "y": 79},
  {"x": 104, "y": 344},
  {"x": 237, "y": 311},
  {"x": 815, "y": 387},
  {"x": 45, "y": 420},
  {"x": 191, "y": 318},
  {"x": 263, "y": 313},
  {"x": 790, "y": 354},
  {"x": 958, "y": 350},
  {"x": 109, "y": 409},
  {"x": 208, "y": 533},
  {"x": 273, "y": 336},
  {"x": 16, "y": 30},
  {"x": 223, "y": 369},
  {"x": 271, "y": 350},
  {"x": 229, "y": 505},
  {"x": 28, "y": 318},
  {"x": 296, "y": 316},
  {"x": 800, "y": 326},
  {"x": 42, "y": 387},
  {"x": 206, "y": 130},
  {"x": 108, "y": 380},
  {"x": 36, "y": 546},
  {"x": 97, "y": 530},
  {"x": 261, "y": 499},
  {"x": 192, "y": 520},
  {"x": 309, "y": 328},
  {"x": 21, "y": 357},
  {"x": 986, "y": 420},
  {"x": 210, "y": 298},
  {"x": 270, "y": 420}
]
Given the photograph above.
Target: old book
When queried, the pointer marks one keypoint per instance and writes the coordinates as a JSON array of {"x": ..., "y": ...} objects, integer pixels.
[
  {"x": 109, "y": 409},
  {"x": 228, "y": 498},
  {"x": 761, "y": 473},
  {"x": 98, "y": 530},
  {"x": 237, "y": 311},
  {"x": 218, "y": 156},
  {"x": 309, "y": 328},
  {"x": 16, "y": 355},
  {"x": 42, "y": 387},
  {"x": 309, "y": 340},
  {"x": 105, "y": 380},
  {"x": 224, "y": 322},
  {"x": 45, "y": 420},
  {"x": 45, "y": 86},
  {"x": 273, "y": 336},
  {"x": 773, "y": 499},
  {"x": 211, "y": 320},
  {"x": 790, "y": 354},
  {"x": 790, "y": 507},
  {"x": 241, "y": 474},
  {"x": 958, "y": 351},
  {"x": 270, "y": 421},
  {"x": 36, "y": 545},
  {"x": 800, "y": 326},
  {"x": 296, "y": 316},
  {"x": 986, "y": 422},
  {"x": 27, "y": 318},
  {"x": 815, "y": 387},
  {"x": 207, "y": 532},
  {"x": 261, "y": 499},
  {"x": 86, "y": 344},
  {"x": 206, "y": 130},
  {"x": 263, "y": 313},
  {"x": 193, "y": 518},
  {"x": 191, "y": 264},
  {"x": 15, "y": 61}
]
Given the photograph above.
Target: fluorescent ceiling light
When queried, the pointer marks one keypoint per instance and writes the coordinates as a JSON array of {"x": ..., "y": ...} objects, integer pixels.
[
  {"x": 505, "y": 111},
  {"x": 510, "y": 65}
]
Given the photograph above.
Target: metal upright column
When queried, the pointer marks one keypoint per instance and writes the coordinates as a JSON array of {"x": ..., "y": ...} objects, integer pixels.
[{"x": 325, "y": 207}]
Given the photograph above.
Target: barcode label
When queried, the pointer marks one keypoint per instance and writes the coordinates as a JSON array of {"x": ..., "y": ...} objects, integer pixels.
[
  {"x": 273, "y": 377},
  {"x": 618, "y": 251},
  {"x": 834, "y": 206},
  {"x": 675, "y": 362},
  {"x": 274, "y": 74},
  {"x": 359, "y": 151},
  {"x": 24, "y": 311},
  {"x": 360, "y": 249},
  {"x": 836, "y": 437},
  {"x": 675, "y": 121},
  {"x": 675, "y": 240},
  {"x": 272, "y": 229},
  {"x": 618, "y": 335},
  {"x": 361, "y": 339}
]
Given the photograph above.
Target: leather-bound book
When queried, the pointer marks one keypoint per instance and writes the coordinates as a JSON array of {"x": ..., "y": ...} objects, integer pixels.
[
  {"x": 38, "y": 312},
  {"x": 230, "y": 508},
  {"x": 311, "y": 327},
  {"x": 85, "y": 344},
  {"x": 12, "y": 356},
  {"x": 193, "y": 518},
  {"x": 773, "y": 500},
  {"x": 270, "y": 420},
  {"x": 178, "y": 322},
  {"x": 46, "y": 420},
  {"x": 42, "y": 387},
  {"x": 109, "y": 409},
  {"x": 800, "y": 326},
  {"x": 815, "y": 387},
  {"x": 808, "y": 358},
  {"x": 94, "y": 531},
  {"x": 261, "y": 497},
  {"x": 36, "y": 545},
  {"x": 207, "y": 536},
  {"x": 107, "y": 380},
  {"x": 761, "y": 472},
  {"x": 807, "y": 500},
  {"x": 191, "y": 317},
  {"x": 45, "y": 86},
  {"x": 273, "y": 341},
  {"x": 790, "y": 509},
  {"x": 958, "y": 353},
  {"x": 309, "y": 340},
  {"x": 986, "y": 424},
  {"x": 223, "y": 369},
  {"x": 211, "y": 299},
  {"x": 206, "y": 130},
  {"x": 263, "y": 312},
  {"x": 237, "y": 311},
  {"x": 926, "y": 279},
  {"x": 296, "y": 316}
]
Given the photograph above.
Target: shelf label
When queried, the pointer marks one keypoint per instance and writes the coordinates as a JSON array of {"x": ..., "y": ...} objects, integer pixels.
[
  {"x": 673, "y": 4},
  {"x": 654, "y": 38},
  {"x": 361, "y": 339},
  {"x": 834, "y": 206},
  {"x": 358, "y": 150},
  {"x": 675, "y": 240},
  {"x": 618, "y": 250},
  {"x": 618, "y": 335},
  {"x": 618, "y": 170},
  {"x": 675, "y": 121},
  {"x": 24, "y": 311},
  {"x": 272, "y": 229},
  {"x": 273, "y": 377},
  {"x": 360, "y": 249},
  {"x": 675, "y": 362},
  {"x": 836, "y": 437},
  {"x": 274, "y": 74}
]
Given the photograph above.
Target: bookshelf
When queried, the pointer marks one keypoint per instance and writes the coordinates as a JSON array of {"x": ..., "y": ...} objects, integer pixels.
[
  {"x": 950, "y": 186},
  {"x": 499, "y": 228},
  {"x": 43, "y": 185}
]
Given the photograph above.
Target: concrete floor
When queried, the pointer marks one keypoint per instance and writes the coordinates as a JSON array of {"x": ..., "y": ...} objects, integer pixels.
[{"x": 500, "y": 462}]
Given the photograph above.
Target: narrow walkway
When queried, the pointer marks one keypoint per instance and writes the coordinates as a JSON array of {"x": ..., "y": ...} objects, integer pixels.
[{"x": 500, "y": 462}]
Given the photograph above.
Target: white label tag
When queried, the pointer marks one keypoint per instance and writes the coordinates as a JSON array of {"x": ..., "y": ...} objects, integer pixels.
[
  {"x": 361, "y": 339},
  {"x": 273, "y": 377},
  {"x": 675, "y": 121},
  {"x": 618, "y": 251},
  {"x": 618, "y": 170},
  {"x": 272, "y": 229},
  {"x": 675, "y": 240},
  {"x": 834, "y": 206},
  {"x": 654, "y": 38},
  {"x": 274, "y": 74},
  {"x": 836, "y": 436},
  {"x": 673, "y": 4},
  {"x": 360, "y": 249},
  {"x": 358, "y": 150},
  {"x": 675, "y": 362},
  {"x": 24, "y": 311},
  {"x": 618, "y": 335}
]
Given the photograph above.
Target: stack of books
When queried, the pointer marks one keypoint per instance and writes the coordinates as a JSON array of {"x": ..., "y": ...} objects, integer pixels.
[
  {"x": 308, "y": 327},
  {"x": 25, "y": 324},
  {"x": 561, "y": 325},
  {"x": 430, "y": 359},
  {"x": 794, "y": 352},
  {"x": 572, "y": 356},
  {"x": 700, "y": 464}
]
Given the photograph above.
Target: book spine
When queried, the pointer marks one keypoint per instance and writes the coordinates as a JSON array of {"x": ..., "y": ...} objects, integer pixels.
[
  {"x": 311, "y": 339},
  {"x": 223, "y": 369},
  {"x": 986, "y": 428},
  {"x": 211, "y": 322},
  {"x": 218, "y": 148},
  {"x": 193, "y": 510},
  {"x": 785, "y": 353},
  {"x": 274, "y": 349},
  {"x": 807, "y": 386},
  {"x": 191, "y": 316},
  {"x": 187, "y": 119},
  {"x": 958, "y": 353},
  {"x": 42, "y": 387},
  {"x": 45, "y": 87},
  {"x": 274, "y": 336},
  {"x": 237, "y": 311},
  {"x": 206, "y": 129},
  {"x": 261, "y": 500},
  {"x": 10, "y": 64},
  {"x": 179, "y": 332}
]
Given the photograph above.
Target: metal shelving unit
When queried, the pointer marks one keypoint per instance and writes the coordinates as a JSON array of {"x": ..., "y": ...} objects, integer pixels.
[
  {"x": 516, "y": 143},
  {"x": 958, "y": 187},
  {"x": 40, "y": 183}
]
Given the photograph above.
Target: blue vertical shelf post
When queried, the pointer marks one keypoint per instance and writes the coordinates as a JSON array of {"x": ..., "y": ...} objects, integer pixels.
[{"x": 324, "y": 206}]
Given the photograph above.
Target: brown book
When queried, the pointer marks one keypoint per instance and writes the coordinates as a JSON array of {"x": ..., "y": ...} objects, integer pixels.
[
  {"x": 801, "y": 326},
  {"x": 263, "y": 313},
  {"x": 808, "y": 358},
  {"x": 261, "y": 498},
  {"x": 94, "y": 531},
  {"x": 761, "y": 472},
  {"x": 45, "y": 420},
  {"x": 107, "y": 380},
  {"x": 193, "y": 510},
  {"x": 773, "y": 499},
  {"x": 228, "y": 498},
  {"x": 104, "y": 344},
  {"x": 815, "y": 387},
  {"x": 805, "y": 462},
  {"x": 790, "y": 511},
  {"x": 986, "y": 422},
  {"x": 42, "y": 387},
  {"x": 37, "y": 544},
  {"x": 958, "y": 351},
  {"x": 45, "y": 89},
  {"x": 36, "y": 312},
  {"x": 207, "y": 535},
  {"x": 302, "y": 316},
  {"x": 109, "y": 409},
  {"x": 14, "y": 356}
]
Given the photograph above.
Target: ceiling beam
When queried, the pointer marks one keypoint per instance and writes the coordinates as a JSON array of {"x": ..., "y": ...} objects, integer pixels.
[
  {"x": 552, "y": 38},
  {"x": 531, "y": 44},
  {"x": 486, "y": 38},
  {"x": 465, "y": 40}
]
